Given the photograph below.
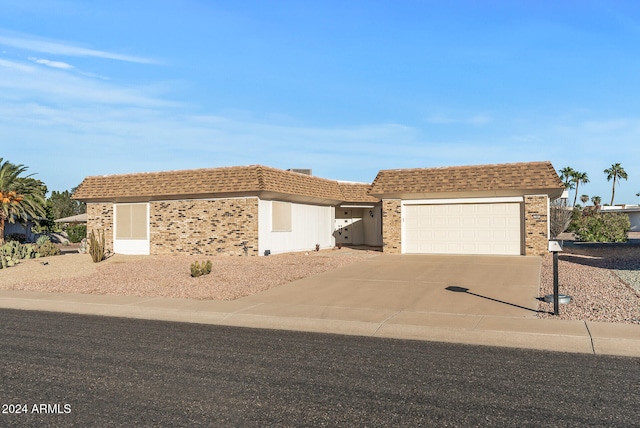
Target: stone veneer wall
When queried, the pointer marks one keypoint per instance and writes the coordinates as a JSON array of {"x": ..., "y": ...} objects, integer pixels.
[
  {"x": 536, "y": 238},
  {"x": 100, "y": 217},
  {"x": 391, "y": 226},
  {"x": 208, "y": 227}
]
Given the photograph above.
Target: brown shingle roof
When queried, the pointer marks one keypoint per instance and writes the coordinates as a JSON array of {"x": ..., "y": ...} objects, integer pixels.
[
  {"x": 293, "y": 183},
  {"x": 357, "y": 192},
  {"x": 209, "y": 182},
  {"x": 512, "y": 176}
]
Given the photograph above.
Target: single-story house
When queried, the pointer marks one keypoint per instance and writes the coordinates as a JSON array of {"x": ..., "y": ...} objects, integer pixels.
[{"x": 256, "y": 210}]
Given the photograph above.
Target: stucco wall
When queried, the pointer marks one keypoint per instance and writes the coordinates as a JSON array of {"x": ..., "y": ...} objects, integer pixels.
[
  {"x": 536, "y": 228},
  {"x": 310, "y": 225},
  {"x": 391, "y": 226},
  {"x": 100, "y": 217},
  {"x": 211, "y": 227}
]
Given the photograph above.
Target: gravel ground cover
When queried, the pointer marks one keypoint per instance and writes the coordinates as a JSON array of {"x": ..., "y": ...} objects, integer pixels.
[
  {"x": 169, "y": 276},
  {"x": 602, "y": 279}
]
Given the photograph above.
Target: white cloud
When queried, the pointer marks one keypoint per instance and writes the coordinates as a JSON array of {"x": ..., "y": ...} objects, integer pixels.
[
  {"x": 16, "y": 66},
  {"x": 48, "y": 85},
  {"x": 34, "y": 44},
  {"x": 52, "y": 64}
]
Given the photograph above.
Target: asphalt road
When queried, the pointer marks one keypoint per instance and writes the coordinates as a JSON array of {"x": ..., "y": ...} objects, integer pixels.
[{"x": 72, "y": 370}]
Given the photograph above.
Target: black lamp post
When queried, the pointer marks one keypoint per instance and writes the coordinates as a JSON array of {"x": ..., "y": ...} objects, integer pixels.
[{"x": 555, "y": 248}]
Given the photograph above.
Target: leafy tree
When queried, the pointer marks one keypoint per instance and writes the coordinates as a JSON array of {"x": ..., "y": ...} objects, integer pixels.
[
  {"x": 63, "y": 206},
  {"x": 21, "y": 198},
  {"x": 615, "y": 173},
  {"x": 578, "y": 178},
  {"x": 584, "y": 199},
  {"x": 596, "y": 200}
]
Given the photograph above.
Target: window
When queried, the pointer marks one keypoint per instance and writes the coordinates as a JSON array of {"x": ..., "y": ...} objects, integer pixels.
[
  {"x": 131, "y": 221},
  {"x": 280, "y": 216}
]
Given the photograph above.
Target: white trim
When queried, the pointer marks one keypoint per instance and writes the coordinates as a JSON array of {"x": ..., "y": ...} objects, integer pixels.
[
  {"x": 357, "y": 206},
  {"x": 504, "y": 199}
]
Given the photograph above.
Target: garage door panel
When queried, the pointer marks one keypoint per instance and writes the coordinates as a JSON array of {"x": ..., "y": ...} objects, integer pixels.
[{"x": 488, "y": 228}]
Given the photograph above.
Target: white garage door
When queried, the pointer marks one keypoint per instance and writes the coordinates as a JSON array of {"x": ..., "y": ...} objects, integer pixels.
[{"x": 489, "y": 228}]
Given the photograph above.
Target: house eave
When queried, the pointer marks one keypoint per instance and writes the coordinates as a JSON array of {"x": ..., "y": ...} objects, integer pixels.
[
  {"x": 265, "y": 195},
  {"x": 552, "y": 193}
]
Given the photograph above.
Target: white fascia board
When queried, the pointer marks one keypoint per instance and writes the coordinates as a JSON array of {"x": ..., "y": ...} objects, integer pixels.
[{"x": 493, "y": 200}]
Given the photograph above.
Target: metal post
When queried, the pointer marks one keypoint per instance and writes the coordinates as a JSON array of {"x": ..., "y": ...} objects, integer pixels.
[{"x": 556, "y": 297}]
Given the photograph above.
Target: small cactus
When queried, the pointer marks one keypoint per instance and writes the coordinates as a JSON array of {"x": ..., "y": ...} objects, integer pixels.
[{"x": 198, "y": 269}]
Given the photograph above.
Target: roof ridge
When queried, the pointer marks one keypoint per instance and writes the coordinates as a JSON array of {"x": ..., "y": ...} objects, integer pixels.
[
  {"x": 260, "y": 176},
  {"x": 472, "y": 166}
]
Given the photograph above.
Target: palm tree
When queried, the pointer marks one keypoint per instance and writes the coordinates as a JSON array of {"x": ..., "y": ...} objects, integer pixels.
[
  {"x": 565, "y": 175},
  {"x": 578, "y": 178},
  {"x": 20, "y": 197},
  {"x": 616, "y": 172},
  {"x": 596, "y": 200},
  {"x": 584, "y": 199}
]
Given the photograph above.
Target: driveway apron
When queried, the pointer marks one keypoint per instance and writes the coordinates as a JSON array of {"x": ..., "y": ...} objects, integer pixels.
[{"x": 454, "y": 284}]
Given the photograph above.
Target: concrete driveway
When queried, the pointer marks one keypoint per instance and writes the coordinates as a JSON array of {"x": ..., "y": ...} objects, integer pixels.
[{"x": 496, "y": 285}]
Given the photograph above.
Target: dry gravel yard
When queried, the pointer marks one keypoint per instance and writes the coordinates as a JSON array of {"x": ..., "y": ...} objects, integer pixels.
[
  {"x": 603, "y": 280},
  {"x": 169, "y": 276},
  {"x": 600, "y": 277}
]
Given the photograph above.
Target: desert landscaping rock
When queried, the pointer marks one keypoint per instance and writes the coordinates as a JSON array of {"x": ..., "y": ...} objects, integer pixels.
[
  {"x": 603, "y": 280},
  {"x": 231, "y": 277}
]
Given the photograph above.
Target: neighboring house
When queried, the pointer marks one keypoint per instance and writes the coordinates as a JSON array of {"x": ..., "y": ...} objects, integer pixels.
[
  {"x": 255, "y": 210},
  {"x": 18, "y": 228},
  {"x": 74, "y": 219},
  {"x": 484, "y": 209},
  {"x": 633, "y": 211}
]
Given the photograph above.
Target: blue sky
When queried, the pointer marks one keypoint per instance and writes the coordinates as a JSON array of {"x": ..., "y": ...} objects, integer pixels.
[{"x": 343, "y": 87}]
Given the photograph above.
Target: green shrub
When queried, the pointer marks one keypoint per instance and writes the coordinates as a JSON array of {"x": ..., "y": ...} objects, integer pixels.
[
  {"x": 198, "y": 269},
  {"x": 576, "y": 215},
  {"x": 598, "y": 226},
  {"x": 42, "y": 240},
  {"x": 48, "y": 249},
  {"x": 77, "y": 232}
]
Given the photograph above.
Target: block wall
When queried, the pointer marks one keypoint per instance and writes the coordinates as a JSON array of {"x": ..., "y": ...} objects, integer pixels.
[
  {"x": 536, "y": 217},
  {"x": 99, "y": 218},
  {"x": 392, "y": 226},
  {"x": 211, "y": 227}
]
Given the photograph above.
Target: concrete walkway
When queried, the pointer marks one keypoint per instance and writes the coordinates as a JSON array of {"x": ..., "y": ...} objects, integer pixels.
[{"x": 462, "y": 299}]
